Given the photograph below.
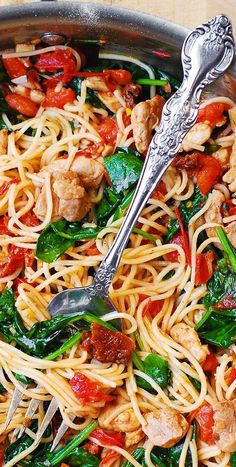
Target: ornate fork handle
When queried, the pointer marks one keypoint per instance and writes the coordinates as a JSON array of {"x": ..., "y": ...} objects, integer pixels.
[{"x": 206, "y": 54}]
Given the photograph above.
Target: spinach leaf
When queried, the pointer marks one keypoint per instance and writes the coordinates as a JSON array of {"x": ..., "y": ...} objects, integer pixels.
[
  {"x": 222, "y": 283},
  {"x": 139, "y": 455},
  {"x": 157, "y": 368},
  {"x": 80, "y": 457},
  {"x": 187, "y": 210},
  {"x": 171, "y": 456},
  {"x": 218, "y": 327},
  {"x": 106, "y": 207},
  {"x": 233, "y": 459},
  {"x": 211, "y": 147},
  {"x": 59, "y": 236},
  {"x": 124, "y": 168},
  {"x": 195, "y": 383}
]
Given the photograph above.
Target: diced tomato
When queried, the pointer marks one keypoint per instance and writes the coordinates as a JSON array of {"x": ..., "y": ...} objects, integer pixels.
[
  {"x": 30, "y": 219},
  {"x": 64, "y": 465},
  {"x": 86, "y": 343},
  {"x": 6, "y": 185},
  {"x": 92, "y": 448},
  {"x": 153, "y": 307},
  {"x": 204, "y": 267},
  {"x": 57, "y": 60},
  {"x": 232, "y": 376},
  {"x": 209, "y": 170},
  {"x": 227, "y": 302},
  {"x": 4, "y": 226},
  {"x": 15, "y": 260},
  {"x": 107, "y": 438},
  {"x": 108, "y": 130},
  {"x": 230, "y": 209},
  {"x": 92, "y": 250},
  {"x": 110, "y": 346},
  {"x": 117, "y": 77},
  {"x": 58, "y": 99},
  {"x": 18, "y": 281},
  {"x": 210, "y": 363},
  {"x": 22, "y": 104},
  {"x": 90, "y": 151},
  {"x": 204, "y": 417},
  {"x": 160, "y": 191},
  {"x": 212, "y": 113},
  {"x": 189, "y": 162},
  {"x": 88, "y": 391},
  {"x": 14, "y": 67},
  {"x": 185, "y": 243},
  {"x": 173, "y": 256},
  {"x": 29, "y": 258},
  {"x": 2, "y": 451},
  {"x": 109, "y": 459}
]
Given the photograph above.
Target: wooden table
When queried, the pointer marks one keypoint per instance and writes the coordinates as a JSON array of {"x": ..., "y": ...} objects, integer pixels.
[{"x": 186, "y": 12}]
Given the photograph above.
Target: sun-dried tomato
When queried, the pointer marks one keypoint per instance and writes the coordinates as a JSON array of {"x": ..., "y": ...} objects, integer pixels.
[{"x": 110, "y": 346}]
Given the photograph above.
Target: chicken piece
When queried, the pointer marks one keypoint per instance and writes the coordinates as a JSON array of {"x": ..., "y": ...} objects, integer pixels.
[
  {"x": 96, "y": 83},
  {"x": 40, "y": 208},
  {"x": 35, "y": 95},
  {"x": 197, "y": 136},
  {"x": 222, "y": 156},
  {"x": 133, "y": 437},
  {"x": 165, "y": 427},
  {"x": 230, "y": 178},
  {"x": 25, "y": 47},
  {"x": 126, "y": 421},
  {"x": 213, "y": 213},
  {"x": 68, "y": 186},
  {"x": 70, "y": 199},
  {"x": 231, "y": 232},
  {"x": 3, "y": 141},
  {"x": 109, "y": 100},
  {"x": 89, "y": 171},
  {"x": 224, "y": 428},
  {"x": 188, "y": 338},
  {"x": 144, "y": 118}
]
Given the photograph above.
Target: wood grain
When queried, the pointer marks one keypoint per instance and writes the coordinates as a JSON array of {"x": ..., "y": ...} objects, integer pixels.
[{"x": 189, "y": 13}]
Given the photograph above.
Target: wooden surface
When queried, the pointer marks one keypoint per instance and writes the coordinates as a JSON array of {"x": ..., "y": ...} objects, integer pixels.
[{"x": 186, "y": 12}]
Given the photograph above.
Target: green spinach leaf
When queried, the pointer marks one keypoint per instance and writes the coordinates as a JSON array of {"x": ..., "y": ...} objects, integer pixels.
[
  {"x": 157, "y": 368},
  {"x": 124, "y": 169},
  {"x": 80, "y": 457}
]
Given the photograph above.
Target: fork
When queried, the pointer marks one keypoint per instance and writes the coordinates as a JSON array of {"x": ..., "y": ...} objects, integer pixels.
[{"x": 206, "y": 54}]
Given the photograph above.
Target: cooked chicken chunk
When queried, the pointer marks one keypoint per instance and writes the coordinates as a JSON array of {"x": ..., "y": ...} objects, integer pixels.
[
  {"x": 3, "y": 141},
  {"x": 144, "y": 118},
  {"x": 89, "y": 171},
  {"x": 230, "y": 178},
  {"x": 188, "y": 338},
  {"x": 165, "y": 427},
  {"x": 97, "y": 83},
  {"x": 36, "y": 95},
  {"x": 70, "y": 199},
  {"x": 213, "y": 213},
  {"x": 224, "y": 429},
  {"x": 222, "y": 156},
  {"x": 109, "y": 100},
  {"x": 231, "y": 232},
  {"x": 133, "y": 437},
  {"x": 126, "y": 421},
  {"x": 197, "y": 136}
]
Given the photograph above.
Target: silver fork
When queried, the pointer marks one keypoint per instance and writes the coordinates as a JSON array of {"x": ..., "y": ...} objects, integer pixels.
[{"x": 206, "y": 54}]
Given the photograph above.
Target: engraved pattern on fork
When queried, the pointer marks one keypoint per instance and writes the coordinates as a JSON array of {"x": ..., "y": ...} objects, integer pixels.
[{"x": 207, "y": 52}]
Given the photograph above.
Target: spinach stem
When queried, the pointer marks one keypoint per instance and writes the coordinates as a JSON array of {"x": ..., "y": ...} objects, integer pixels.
[
  {"x": 76, "y": 441},
  {"x": 152, "y": 82},
  {"x": 139, "y": 340},
  {"x": 67, "y": 345},
  {"x": 227, "y": 246},
  {"x": 144, "y": 234},
  {"x": 137, "y": 361}
]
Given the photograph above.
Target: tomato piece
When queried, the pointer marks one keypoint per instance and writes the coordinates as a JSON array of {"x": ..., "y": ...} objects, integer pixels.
[
  {"x": 107, "y": 438},
  {"x": 92, "y": 250},
  {"x": 22, "y": 104},
  {"x": 21, "y": 280},
  {"x": 227, "y": 302},
  {"x": 6, "y": 185},
  {"x": 14, "y": 67},
  {"x": 59, "y": 99},
  {"x": 210, "y": 169},
  {"x": 153, "y": 307},
  {"x": 185, "y": 241},
  {"x": 57, "y": 60},
  {"x": 117, "y": 77},
  {"x": 90, "y": 151},
  {"x": 210, "y": 363},
  {"x": 92, "y": 448},
  {"x": 212, "y": 113},
  {"x": 15, "y": 260},
  {"x": 110, "y": 346},
  {"x": 204, "y": 267},
  {"x": 232, "y": 376},
  {"x": 30, "y": 219},
  {"x": 88, "y": 391},
  {"x": 205, "y": 421},
  {"x": 4, "y": 226},
  {"x": 109, "y": 459},
  {"x": 173, "y": 256},
  {"x": 108, "y": 130},
  {"x": 159, "y": 191},
  {"x": 2, "y": 451}
]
